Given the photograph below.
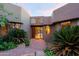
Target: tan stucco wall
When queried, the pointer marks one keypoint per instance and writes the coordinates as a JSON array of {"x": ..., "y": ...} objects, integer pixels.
[
  {"x": 69, "y": 11},
  {"x": 10, "y": 8},
  {"x": 25, "y": 19},
  {"x": 19, "y": 12},
  {"x": 41, "y": 20}
]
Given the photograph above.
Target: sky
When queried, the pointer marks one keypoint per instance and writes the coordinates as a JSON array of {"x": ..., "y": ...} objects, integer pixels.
[{"x": 40, "y": 9}]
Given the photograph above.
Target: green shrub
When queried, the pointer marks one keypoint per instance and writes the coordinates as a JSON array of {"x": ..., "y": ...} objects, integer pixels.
[
  {"x": 13, "y": 38},
  {"x": 1, "y": 40},
  {"x": 10, "y": 45},
  {"x": 16, "y": 35},
  {"x": 8, "y": 38},
  {"x": 3, "y": 21},
  {"x": 7, "y": 45},
  {"x": 49, "y": 52},
  {"x": 66, "y": 41},
  {"x": 27, "y": 42}
]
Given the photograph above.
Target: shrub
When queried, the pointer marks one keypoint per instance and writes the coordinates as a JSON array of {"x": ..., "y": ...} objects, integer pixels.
[
  {"x": 16, "y": 35},
  {"x": 1, "y": 40},
  {"x": 10, "y": 45},
  {"x": 66, "y": 41},
  {"x": 3, "y": 21},
  {"x": 27, "y": 42},
  {"x": 49, "y": 52},
  {"x": 13, "y": 38},
  {"x": 7, "y": 45}
]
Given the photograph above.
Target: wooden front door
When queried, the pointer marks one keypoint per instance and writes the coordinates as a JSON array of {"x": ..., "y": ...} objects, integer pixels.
[
  {"x": 40, "y": 32},
  {"x": 37, "y": 32}
]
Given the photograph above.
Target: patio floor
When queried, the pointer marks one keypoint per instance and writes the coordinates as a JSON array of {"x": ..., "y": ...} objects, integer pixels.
[{"x": 35, "y": 49}]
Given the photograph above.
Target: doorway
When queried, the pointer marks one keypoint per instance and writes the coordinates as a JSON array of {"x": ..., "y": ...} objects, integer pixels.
[{"x": 39, "y": 32}]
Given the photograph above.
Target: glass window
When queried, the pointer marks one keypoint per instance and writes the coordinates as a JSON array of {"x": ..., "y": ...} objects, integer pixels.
[
  {"x": 38, "y": 32},
  {"x": 13, "y": 25},
  {"x": 64, "y": 24},
  {"x": 47, "y": 29},
  {"x": 17, "y": 25}
]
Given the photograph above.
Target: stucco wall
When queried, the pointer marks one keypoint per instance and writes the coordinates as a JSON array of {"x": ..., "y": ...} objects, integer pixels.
[
  {"x": 71, "y": 10},
  {"x": 41, "y": 20},
  {"x": 12, "y": 9},
  {"x": 19, "y": 15},
  {"x": 25, "y": 19}
]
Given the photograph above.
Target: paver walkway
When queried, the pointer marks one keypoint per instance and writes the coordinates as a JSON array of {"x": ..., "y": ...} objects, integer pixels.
[{"x": 36, "y": 48}]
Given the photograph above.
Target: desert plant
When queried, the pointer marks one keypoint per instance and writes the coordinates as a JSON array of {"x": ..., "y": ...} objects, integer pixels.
[
  {"x": 48, "y": 52},
  {"x": 26, "y": 41},
  {"x": 16, "y": 35},
  {"x": 66, "y": 41},
  {"x": 7, "y": 45}
]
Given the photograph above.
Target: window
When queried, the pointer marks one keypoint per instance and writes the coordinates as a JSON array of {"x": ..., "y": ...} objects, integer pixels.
[
  {"x": 12, "y": 25},
  {"x": 64, "y": 24},
  {"x": 38, "y": 32},
  {"x": 47, "y": 29},
  {"x": 15, "y": 25}
]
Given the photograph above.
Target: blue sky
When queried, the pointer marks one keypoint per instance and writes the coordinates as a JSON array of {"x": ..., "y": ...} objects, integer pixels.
[{"x": 40, "y": 9}]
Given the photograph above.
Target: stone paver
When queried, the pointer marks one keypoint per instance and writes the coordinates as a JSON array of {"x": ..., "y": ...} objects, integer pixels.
[
  {"x": 38, "y": 44},
  {"x": 39, "y": 53},
  {"x": 36, "y": 48}
]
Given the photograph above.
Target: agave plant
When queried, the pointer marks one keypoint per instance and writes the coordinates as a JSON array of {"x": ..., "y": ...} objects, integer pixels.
[{"x": 66, "y": 41}]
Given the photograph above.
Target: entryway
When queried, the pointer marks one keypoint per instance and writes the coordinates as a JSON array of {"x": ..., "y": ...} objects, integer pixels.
[
  {"x": 38, "y": 44},
  {"x": 39, "y": 32}
]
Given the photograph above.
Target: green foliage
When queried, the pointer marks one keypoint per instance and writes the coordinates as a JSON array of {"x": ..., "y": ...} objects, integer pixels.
[
  {"x": 49, "y": 52},
  {"x": 4, "y": 45},
  {"x": 13, "y": 38},
  {"x": 1, "y": 40},
  {"x": 17, "y": 33},
  {"x": 66, "y": 41},
  {"x": 7, "y": 45},
  {"x": 3, "y": 21},
  {"x": 10, "y": 45},
  {"x": 26, "y": 41}
]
